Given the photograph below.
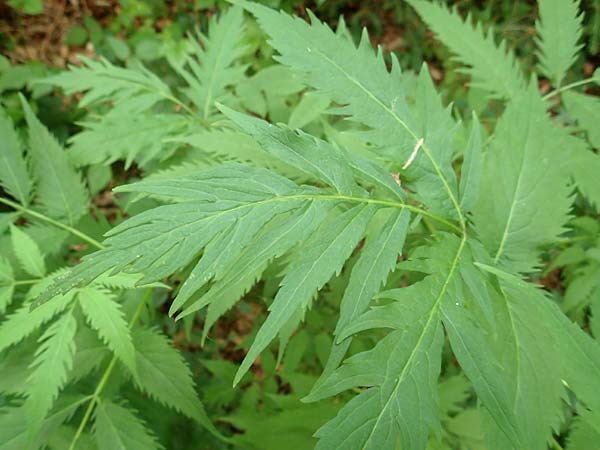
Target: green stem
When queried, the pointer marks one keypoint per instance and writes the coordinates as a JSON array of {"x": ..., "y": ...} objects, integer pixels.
[
  {"x": 51, "y": 221},
  {"x": 373, "y": 201},
  {"x": 106, "y": 375},
  {"x": 566, "y": 87}
]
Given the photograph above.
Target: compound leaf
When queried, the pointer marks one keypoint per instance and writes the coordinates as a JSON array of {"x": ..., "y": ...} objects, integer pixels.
[{"x": 492, "y": 68}]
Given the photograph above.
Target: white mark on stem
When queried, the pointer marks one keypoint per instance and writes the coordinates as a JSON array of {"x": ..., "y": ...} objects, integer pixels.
[{"x": 413, "y": 155}]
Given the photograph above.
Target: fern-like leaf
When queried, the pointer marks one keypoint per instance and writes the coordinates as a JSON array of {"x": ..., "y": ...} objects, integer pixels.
[
  {"x": 573, "y": 355},
  {"x": 160, "y": 241},
  {"x": 535, "y": 400},
  {"x": 372, "y": 96},
  {"x": 377, "y": 259},
  {"x": 119, "y": 135},
  {"x": 278, "y": 238},
  {"x": 135, "y": 89},
  {"x": 105, "y": 315},
  {"x": 60, "y": 190},
  {"x": 14, "y": 173},
  {"x": 401, "y": 371},
  {"x": 54, "y": 359},
  {"x": 324, "y": 256},
  {"x": 522, "y": 170},
  {"x": 28, "y": 253},
  {"x": 166, "y": 378},
  {"x": 15, "y": 426},
  {"x": 213, "y": 67},
  {"x": 23, "y": 321},
  {"x": 492, "y": 68},
  {"x": 559, "y": 30}
]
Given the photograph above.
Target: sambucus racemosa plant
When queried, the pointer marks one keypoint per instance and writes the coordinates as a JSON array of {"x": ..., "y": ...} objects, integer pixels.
[{"x": 316, "y": 203}]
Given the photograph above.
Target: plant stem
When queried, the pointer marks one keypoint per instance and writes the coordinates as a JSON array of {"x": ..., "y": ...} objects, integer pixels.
[
  {"x": 566, "y": 87},
  {"x": 51, "y": 221},
  {"x": 107, "y": 373}
]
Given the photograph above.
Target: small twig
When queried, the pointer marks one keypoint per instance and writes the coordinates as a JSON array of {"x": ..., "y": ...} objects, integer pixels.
[
  {"x": 51, "y": 221},
  {"x": 566, "y": 87}
]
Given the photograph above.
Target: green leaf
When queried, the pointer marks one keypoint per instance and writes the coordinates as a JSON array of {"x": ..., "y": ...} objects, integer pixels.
[
  {"x": 325, "y": 254},
  {"x": 559, "y": 30},
  {"x": 118, "y": 428},
  {"x": 350, "y": 76},
  {"x": 528, "y": 349},
  {"x": 14, "y": 173},
  {"x": 358, "y": 78},
  {"x": 574, "y": 354},
  {"x": 105, "y": 315},
  {"x": 281, "y": 236},
  {"x": 164, "y": 376},
  {"x": 133, "y": 89},
  {"x": 377, "y": 259},
  {"x": 14, "y": 427},
  {"x": 401, "y": 371},
  {"x": 53, "y": 361},
  {"x": 302, "y": 151},
  {"x": 251, "y": 260},
  {"x": 60, "y": 191},
  {"x": 119, "y": 48},
  {"x": 310, "y": 108},
  {"x": 525, "y": 198},
  {"x": 429, "y": 170},
  {"x": 27, "y": 252},
  {"x": 24, "y": 321},
  {"x": 162, "y": 240},
  {"x": 408, "y": 382},
  {"x": 473, "y": 350},
  {"x": 492, "y": 68},
  {"x": 214, "y": 66},
  {"x": 579, "y": 355},
  {"x": 119, "y": 135}
]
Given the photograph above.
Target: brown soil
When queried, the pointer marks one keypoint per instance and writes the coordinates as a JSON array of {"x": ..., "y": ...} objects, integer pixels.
[{"x": 41, "y": 37}]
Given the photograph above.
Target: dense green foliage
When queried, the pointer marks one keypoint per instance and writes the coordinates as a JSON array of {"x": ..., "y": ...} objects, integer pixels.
[{"x": 347, "y": 260}]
